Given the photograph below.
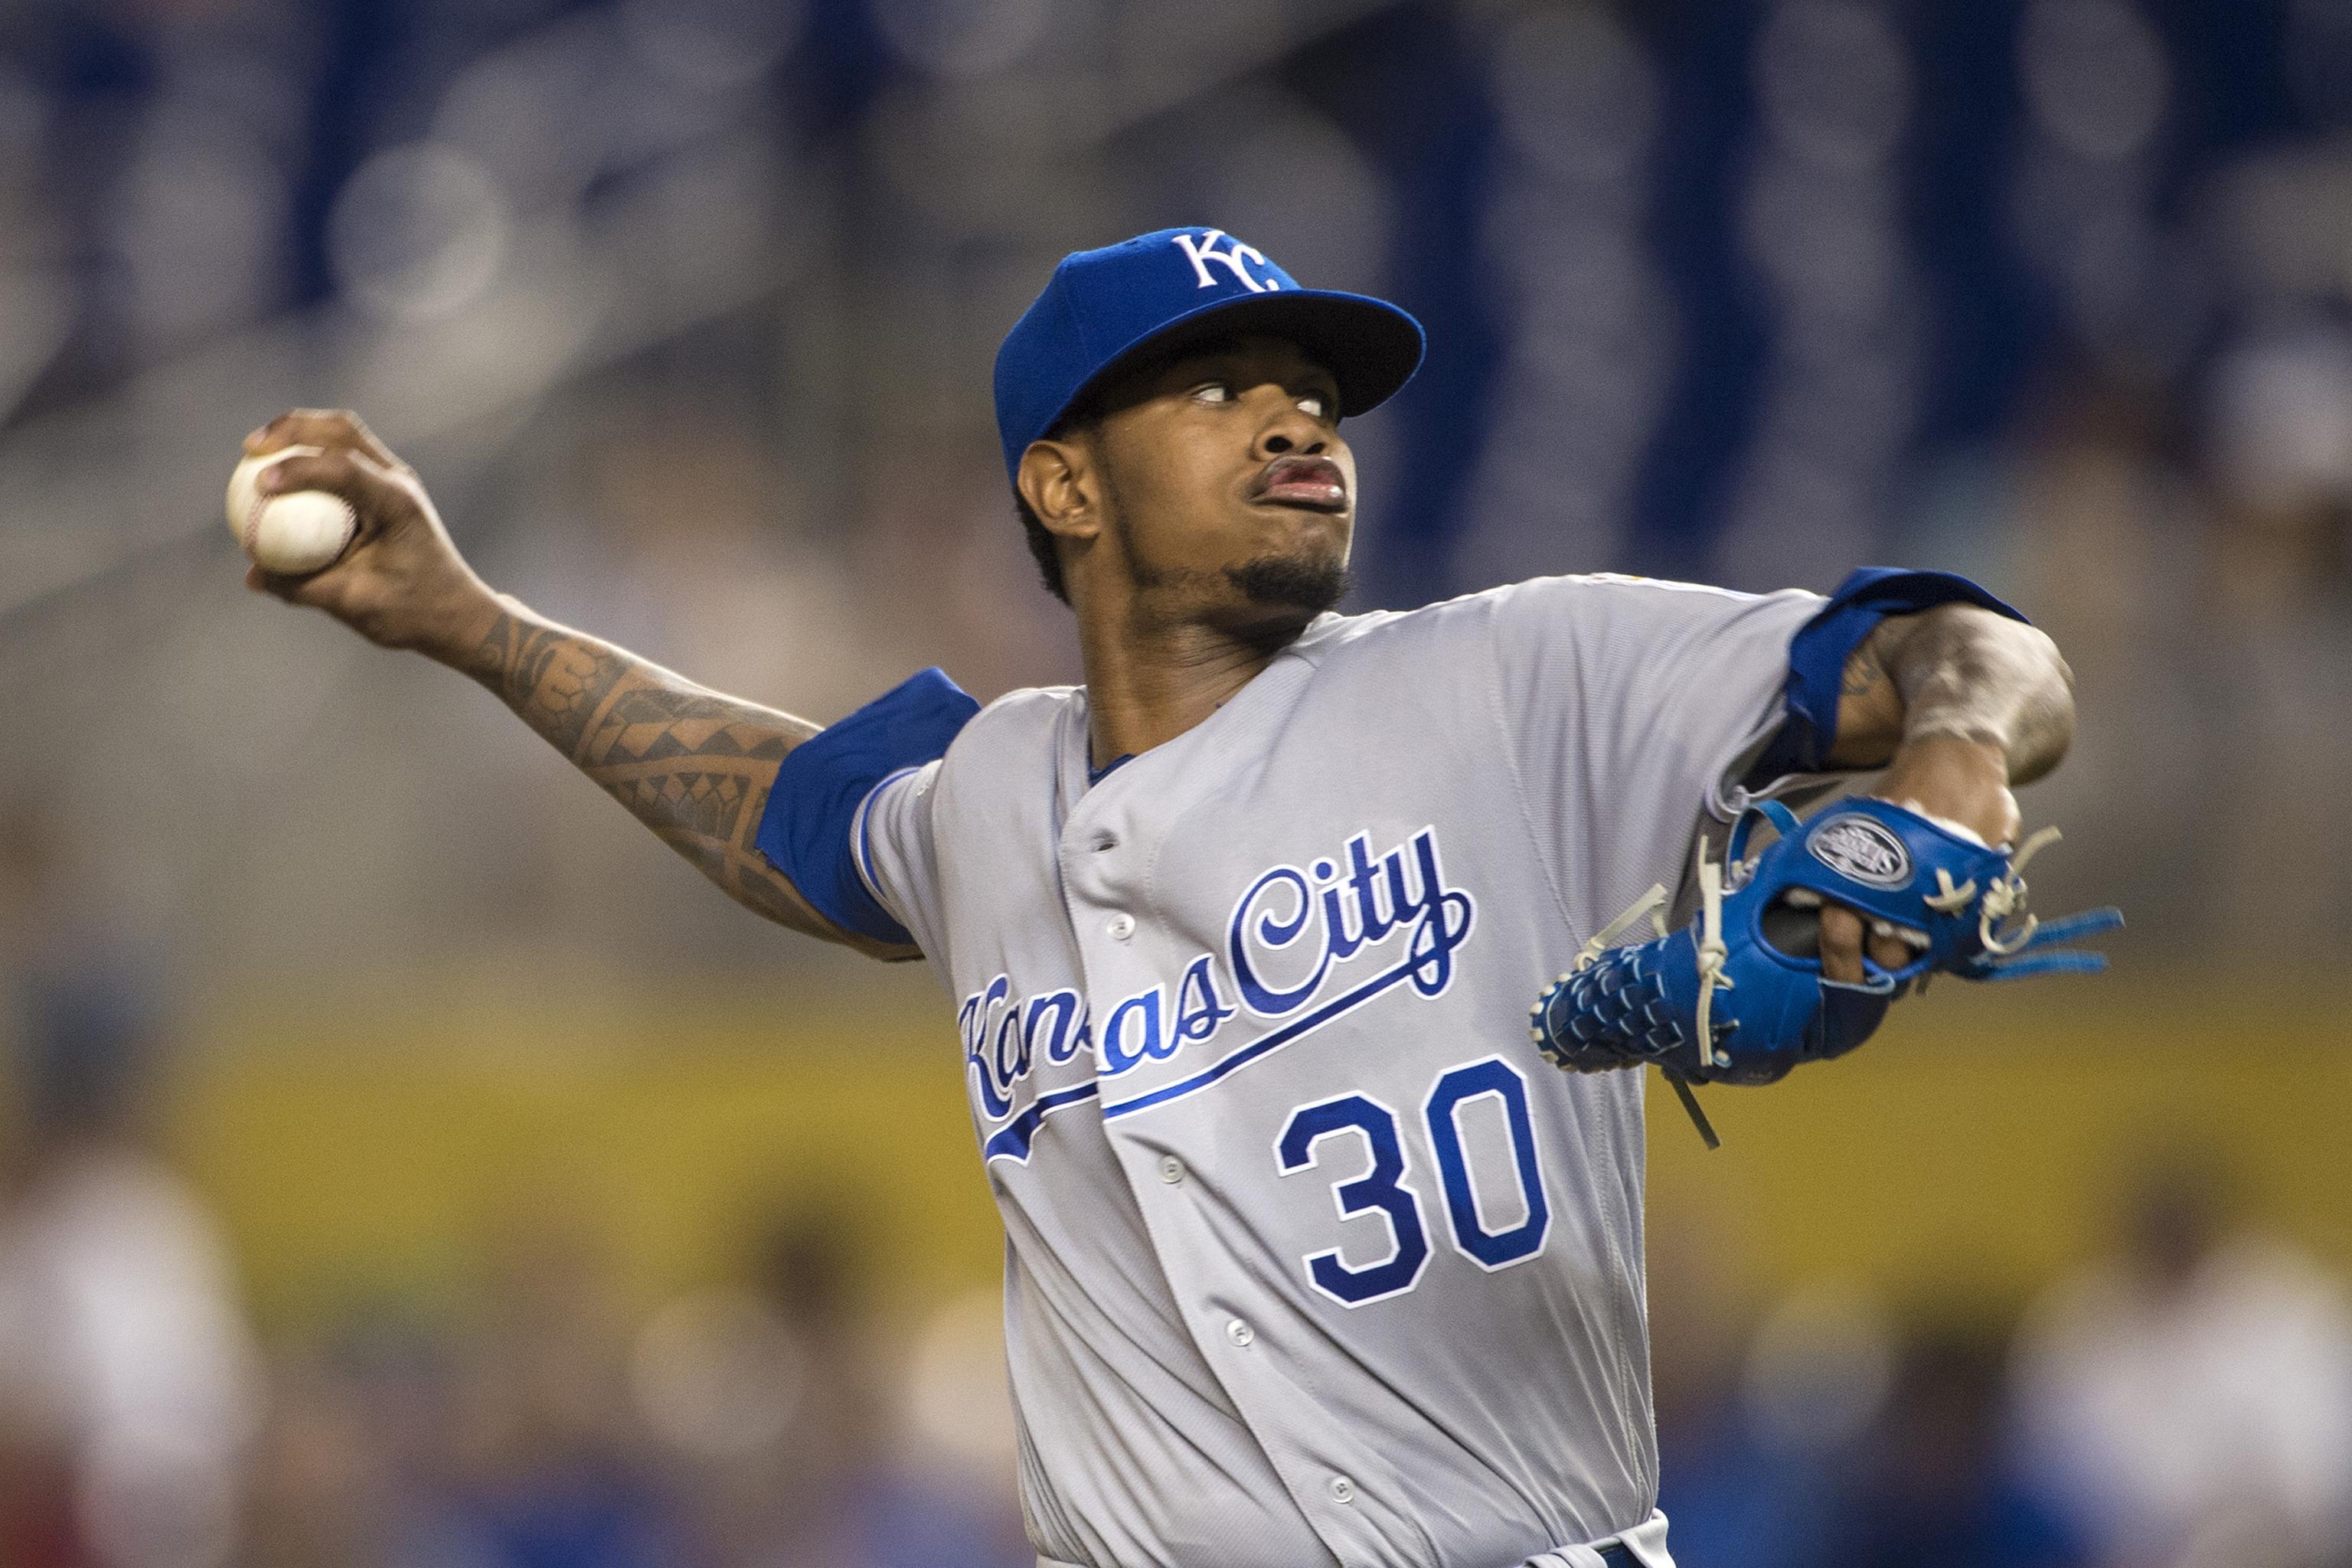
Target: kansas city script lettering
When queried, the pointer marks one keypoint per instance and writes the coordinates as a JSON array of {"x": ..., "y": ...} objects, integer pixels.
[{"x": 1289, "y": 959}]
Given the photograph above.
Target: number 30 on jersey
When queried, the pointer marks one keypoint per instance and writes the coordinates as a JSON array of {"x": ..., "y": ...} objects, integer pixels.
[{"x": 1492, "y": 1229}]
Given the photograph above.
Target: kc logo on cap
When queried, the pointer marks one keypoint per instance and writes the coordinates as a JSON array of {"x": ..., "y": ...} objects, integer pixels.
[
  {"x": 1166, "y": 289},
  {"x": 1201, "y": 251}
]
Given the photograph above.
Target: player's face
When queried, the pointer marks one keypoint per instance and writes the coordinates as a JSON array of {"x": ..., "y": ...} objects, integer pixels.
[{"x": 1231, "y": 495}]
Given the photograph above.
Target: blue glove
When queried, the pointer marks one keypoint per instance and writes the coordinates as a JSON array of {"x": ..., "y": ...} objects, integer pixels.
[{"x": 1738, "y": 996}]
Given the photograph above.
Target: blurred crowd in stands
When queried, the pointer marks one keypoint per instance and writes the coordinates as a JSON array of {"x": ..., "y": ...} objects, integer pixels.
[
  {"x": 685, "y": 309},
  {"x": 539, "y": 1419},
  {"x": 2184, "y": 1402}
]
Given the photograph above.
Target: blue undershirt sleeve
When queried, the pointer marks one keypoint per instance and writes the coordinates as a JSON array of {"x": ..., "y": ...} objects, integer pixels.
[
  {"x": 1818, "y": 653},
  {"x": 808, "y": 830}
]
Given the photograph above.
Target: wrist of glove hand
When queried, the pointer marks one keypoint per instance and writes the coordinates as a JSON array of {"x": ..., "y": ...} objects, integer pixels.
[{"x": 1740, "y": 996}]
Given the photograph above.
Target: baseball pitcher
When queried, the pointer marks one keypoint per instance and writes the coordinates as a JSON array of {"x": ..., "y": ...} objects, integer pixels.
[{"x": 1313, "y": 1256}]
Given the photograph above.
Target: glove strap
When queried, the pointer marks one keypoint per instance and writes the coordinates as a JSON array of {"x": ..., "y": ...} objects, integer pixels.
[
  {"x": 1689, "y": 1097},
  {"x": 1784, "y": 822}
]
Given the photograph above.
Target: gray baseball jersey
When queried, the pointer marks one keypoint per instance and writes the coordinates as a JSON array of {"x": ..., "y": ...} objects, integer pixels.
[{"x": 1310, "y": 1257}]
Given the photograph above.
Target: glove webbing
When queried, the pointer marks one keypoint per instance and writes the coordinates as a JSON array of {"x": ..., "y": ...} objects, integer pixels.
[{"x": 1652, "y": 904}]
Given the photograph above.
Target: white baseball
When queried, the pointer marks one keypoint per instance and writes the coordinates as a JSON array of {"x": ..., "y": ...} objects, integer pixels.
[{"x": 291, "y": 534}]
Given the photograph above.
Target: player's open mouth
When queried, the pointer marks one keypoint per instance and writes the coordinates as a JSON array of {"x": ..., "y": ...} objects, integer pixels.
[{"x": 1314, "y": 483}]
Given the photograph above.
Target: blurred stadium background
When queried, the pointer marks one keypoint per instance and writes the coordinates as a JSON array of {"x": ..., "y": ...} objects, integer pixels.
[{"x": 408, "y": 1163}]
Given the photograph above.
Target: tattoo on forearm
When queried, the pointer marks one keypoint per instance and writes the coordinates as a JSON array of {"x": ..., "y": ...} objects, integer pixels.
[
  {"x": 1863, "y": 671},
  {"x": 555, "y": 679},
  {"x": 691, "y": 764}
]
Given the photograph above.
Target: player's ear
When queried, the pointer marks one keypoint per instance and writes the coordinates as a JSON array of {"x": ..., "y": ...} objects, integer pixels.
[{"x": 1057, "y": 480}]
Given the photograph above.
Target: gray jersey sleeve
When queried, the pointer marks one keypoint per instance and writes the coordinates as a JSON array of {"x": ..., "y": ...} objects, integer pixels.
[
  {"x": 1629, "y": 702},
  {"x": 898, "y": 854}
]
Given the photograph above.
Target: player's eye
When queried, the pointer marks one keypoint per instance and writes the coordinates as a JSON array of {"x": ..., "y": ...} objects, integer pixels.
[
  {"x": 1315, "y": 406},
  {"x": 1213, "y": 392}
]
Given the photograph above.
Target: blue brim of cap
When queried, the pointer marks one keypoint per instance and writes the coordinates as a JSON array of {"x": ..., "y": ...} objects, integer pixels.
[{"x": 1371, "y": 347}]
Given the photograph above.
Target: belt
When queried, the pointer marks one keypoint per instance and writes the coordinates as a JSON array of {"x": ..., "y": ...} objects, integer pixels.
[{"x": 1613, "y": 1555}]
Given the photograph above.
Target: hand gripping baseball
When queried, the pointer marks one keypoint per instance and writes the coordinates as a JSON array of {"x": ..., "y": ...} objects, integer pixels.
[
  {"x": 1738, "y": 996},
  {"x": 400, "y": 581}
]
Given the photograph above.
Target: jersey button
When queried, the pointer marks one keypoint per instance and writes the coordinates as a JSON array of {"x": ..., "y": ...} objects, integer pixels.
[
  {"x": 1342, "y": 1490},
  {"x": 1171, "y": 1169},
  {"x": 1241, "y": 1334},
  {"x": 1122, "y": 926}
]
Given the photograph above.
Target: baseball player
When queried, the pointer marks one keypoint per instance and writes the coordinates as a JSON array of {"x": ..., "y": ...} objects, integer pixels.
[{"x": 1311, "y": 1257}]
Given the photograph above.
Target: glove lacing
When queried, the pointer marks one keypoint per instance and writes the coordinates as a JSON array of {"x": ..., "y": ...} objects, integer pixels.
[
  {"x": 1652, "y": 903},
  {"x": 1714, "y": 879},
  {"x": 1712, "y": 952},
  {"x": 2003, "y": 899}
]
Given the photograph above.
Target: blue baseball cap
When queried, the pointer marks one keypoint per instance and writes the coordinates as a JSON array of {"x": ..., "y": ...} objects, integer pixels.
[{"x": 1158, "y": 289}]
